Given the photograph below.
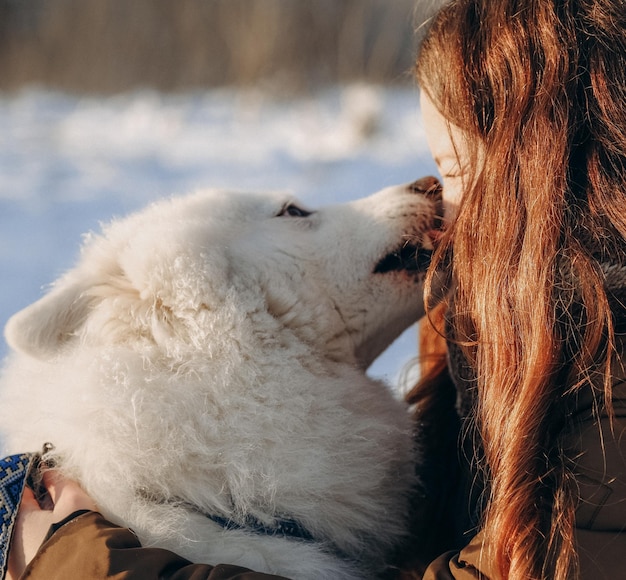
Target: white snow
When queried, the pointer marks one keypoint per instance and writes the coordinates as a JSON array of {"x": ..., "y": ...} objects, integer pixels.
[{"x": 68, "y": 163}]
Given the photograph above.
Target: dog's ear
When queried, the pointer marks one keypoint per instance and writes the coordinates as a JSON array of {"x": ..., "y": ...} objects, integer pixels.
[{"x": 42, "y": 328}]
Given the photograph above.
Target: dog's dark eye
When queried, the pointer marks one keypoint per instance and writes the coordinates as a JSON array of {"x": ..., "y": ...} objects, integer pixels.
[{"x": 292, "y": 210}]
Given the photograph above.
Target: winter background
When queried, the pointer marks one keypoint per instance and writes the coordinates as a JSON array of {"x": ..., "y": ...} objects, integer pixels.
[{"x": 71, "y": 159}]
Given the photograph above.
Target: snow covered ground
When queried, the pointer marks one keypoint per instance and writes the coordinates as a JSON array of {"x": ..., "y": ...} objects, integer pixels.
[{"x": 68, "y": 163}]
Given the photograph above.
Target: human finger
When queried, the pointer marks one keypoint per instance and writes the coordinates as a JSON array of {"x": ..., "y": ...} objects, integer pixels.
[
  {"x": 67, "y": 495},
  {"x": 29, "y": 502}
]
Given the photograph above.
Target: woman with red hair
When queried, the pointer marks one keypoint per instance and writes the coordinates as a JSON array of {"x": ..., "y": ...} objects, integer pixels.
[{"x": 524, "y": 104}]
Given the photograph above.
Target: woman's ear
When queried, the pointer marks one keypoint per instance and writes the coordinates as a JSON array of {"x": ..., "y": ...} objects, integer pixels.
[{"x": 41, "y": 329}]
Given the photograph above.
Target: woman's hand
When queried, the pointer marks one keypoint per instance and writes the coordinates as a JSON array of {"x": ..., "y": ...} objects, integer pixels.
[{"x": 33, "y": 523}]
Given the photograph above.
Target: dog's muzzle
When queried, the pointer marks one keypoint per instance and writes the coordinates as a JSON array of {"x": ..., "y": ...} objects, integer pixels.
[{"x": 410, "y": 257}]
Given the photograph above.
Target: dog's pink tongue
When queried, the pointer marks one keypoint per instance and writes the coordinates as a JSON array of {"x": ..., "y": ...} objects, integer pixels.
[{"x": 435, "y": 236}]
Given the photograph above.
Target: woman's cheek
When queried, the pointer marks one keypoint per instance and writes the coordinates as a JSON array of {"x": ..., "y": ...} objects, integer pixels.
[{"x": 452, "y": 195}]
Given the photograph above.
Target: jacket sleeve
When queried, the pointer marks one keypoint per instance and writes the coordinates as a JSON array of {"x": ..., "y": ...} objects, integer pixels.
[
  {"x": 468, "y": 564},
  {"x": 91, "y": 548}
]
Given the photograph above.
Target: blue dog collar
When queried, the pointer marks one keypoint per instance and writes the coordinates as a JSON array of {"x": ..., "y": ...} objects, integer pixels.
[{"x": 282, "y": 527}]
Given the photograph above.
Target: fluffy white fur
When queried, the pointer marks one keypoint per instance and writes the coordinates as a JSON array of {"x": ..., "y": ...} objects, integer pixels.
[{"x": 207, "y": 355}]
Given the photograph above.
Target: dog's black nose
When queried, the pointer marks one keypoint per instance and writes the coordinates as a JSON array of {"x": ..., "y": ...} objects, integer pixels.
[{"x": 428, "y": 186}]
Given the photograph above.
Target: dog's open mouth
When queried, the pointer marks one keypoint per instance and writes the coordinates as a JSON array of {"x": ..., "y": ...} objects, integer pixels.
[{"x": 408, "y": 257}]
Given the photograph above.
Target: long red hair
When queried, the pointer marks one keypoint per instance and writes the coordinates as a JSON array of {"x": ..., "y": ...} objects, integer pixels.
[{"x": 539, "y": 88}]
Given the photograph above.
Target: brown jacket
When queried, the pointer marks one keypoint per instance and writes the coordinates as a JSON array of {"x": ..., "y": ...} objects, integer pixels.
[
  {"x": 90, "y": 548},
  {"x": 600, "y": 452}
]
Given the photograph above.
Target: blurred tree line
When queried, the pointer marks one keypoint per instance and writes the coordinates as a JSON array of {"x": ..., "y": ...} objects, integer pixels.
[{"x": 106, "y": 46}]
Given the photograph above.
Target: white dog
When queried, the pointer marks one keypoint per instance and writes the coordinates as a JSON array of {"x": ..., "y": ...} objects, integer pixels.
[{"x": 201, "y": 373}]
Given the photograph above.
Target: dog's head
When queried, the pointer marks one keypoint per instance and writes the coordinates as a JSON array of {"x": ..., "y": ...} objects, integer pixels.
[{"x": 192, "y": 273}]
